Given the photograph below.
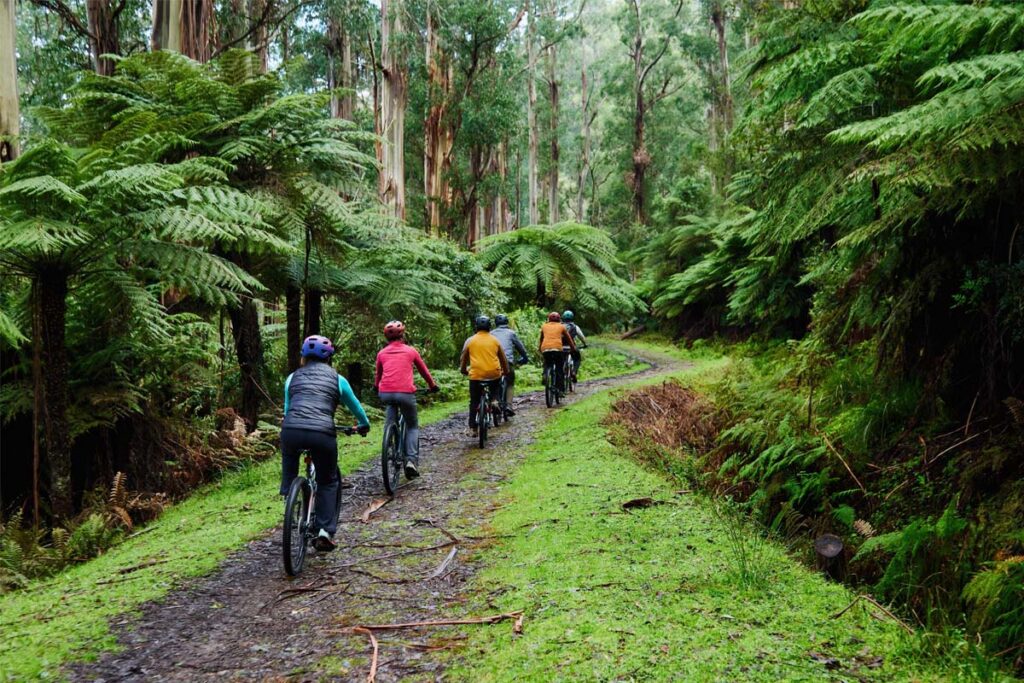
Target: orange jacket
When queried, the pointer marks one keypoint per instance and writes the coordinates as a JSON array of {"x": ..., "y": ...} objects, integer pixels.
[{"x": 553, "y": 337}]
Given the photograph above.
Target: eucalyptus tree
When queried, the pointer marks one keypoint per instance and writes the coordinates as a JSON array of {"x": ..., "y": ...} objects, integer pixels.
[{"x": 10, "y": 111}]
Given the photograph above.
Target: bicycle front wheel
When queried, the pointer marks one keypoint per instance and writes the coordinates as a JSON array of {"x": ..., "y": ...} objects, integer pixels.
[
  {"x": 293, "y": 536},
  {"x": 390, "y": 459}
]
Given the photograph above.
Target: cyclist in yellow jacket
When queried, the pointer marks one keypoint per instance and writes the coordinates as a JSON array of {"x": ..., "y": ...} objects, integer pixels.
[{"x": 483, "y": 360}]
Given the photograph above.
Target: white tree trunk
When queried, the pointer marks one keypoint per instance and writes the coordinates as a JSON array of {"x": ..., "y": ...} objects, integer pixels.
[
  {"x": 393, "y": 102},
  {"x": 553, "y": 213},
  {"x": 10, "y": 123},
  {"x": 531, "y": 115}
]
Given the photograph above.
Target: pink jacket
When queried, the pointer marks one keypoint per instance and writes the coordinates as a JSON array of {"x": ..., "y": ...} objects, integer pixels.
[{"x": 394, "y": 369}]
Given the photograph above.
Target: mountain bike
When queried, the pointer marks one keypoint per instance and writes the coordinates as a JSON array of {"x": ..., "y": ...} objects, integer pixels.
[
  {"x": 299, "y": 526},
  {"x": 552, "y": 392},
  {"x": 486, "y": 412},
  {"x": 569, "y": 371},
  {"x": 393, "y": 454}
]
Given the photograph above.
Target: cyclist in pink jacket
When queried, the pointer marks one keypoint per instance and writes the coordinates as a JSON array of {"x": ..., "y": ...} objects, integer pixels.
[{"x": 394, "y": 383}]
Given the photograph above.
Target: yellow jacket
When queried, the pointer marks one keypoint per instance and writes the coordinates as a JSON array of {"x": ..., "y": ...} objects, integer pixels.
[{"x": 484, "y": 356}]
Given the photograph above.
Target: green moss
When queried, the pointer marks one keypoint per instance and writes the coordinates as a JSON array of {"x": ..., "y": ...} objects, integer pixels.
[{"x": 651, "y": 594}]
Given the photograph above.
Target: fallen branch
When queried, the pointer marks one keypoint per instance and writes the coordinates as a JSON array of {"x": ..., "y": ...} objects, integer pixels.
[
  {"x": 954, "y": 446},
  {"x": 842, "y": 460},
  {"x": 372, "y": 676},
  {"x": 444, "y": 565},
  {"x": 490, "y": 619},
  {"x": 431, "y": 523},
  {"x": 517, "y": 627},
  {"x": 867, "y": 598}
]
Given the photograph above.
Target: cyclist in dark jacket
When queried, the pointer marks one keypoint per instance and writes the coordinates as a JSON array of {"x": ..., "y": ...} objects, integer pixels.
[
  {"x": 515, "y": 352},
  {"x": 311, "y": 395}
]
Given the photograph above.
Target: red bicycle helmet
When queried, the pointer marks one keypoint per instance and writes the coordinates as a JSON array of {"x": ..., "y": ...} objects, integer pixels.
[
  {"x": 553, "y": 317},
  {"x": 394, "y": 330}
]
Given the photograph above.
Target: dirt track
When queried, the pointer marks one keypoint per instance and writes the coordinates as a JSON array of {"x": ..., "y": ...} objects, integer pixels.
[{"x": 412, "y": 561}]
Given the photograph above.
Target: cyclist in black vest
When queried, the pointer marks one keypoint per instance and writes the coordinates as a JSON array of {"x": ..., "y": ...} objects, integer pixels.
[{"x": 311, "y": 395}]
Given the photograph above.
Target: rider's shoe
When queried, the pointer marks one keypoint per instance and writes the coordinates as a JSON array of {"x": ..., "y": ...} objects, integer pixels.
[
  {"x": 509, "y": 412},
  {"x": 473, "y": 431},
  {"x": 324, "y": 543},
  {"x": 411, "y": 471}
]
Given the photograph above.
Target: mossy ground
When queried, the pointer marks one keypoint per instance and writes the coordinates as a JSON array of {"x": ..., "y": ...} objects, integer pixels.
[{"x": 654, "y": 593}]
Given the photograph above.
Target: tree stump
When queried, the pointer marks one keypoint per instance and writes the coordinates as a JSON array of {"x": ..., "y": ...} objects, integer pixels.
[
  {"x": 831, "y": 556},
  {"x": 354, "y": 375}
]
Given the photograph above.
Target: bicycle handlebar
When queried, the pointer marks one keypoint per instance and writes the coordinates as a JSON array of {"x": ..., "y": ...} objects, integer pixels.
[{"x": 347, "y": 430}]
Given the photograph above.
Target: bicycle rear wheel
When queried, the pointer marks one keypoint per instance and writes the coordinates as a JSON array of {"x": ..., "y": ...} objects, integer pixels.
[
  {"x": 293, "y": 536},
  {"x": 568, "y": 377},
  {"x": 549, "y": 389},
  {"x": 391, "y": 458},
  {"x": 483, "y": 417}
]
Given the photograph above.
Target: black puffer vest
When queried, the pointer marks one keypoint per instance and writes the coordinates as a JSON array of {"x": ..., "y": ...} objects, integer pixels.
[{"x": 313, "y": 397}]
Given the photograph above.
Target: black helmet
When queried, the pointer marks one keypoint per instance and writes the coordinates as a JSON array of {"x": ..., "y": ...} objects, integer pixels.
[
  {"x": 482, "y": 322},
  {"x": 501, "y": 319}
]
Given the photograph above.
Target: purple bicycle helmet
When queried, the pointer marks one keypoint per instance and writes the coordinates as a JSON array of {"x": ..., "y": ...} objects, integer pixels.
[{"x": 317, "y": 347}]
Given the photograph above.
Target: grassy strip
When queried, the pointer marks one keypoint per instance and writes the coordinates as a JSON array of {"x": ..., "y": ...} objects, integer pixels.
[
  {"x": 66, "y": 618},
  {"x": 656, "y": 593}
]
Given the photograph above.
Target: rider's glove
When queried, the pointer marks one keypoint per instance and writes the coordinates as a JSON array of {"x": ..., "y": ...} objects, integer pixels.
[
  {"x": 434, "y": 389},
  {"x": 363, "y": 430},
  {"x": 465, "y": 371}
]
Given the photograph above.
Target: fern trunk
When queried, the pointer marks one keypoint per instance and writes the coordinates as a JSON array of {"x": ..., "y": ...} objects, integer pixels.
[
  {"x": 9, "y": 110},
  {"x": 314, "y": 311},
  {"x": 293, "y": 313},
  {"x": 51, "y": 384},
  {"x": 245, "y": 328}
]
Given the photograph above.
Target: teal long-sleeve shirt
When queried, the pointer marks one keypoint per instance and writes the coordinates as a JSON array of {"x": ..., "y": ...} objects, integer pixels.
[{"x": 348, "y": 397}]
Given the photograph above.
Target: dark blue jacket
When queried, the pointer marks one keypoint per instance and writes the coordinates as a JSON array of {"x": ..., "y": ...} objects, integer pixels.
[{"x": 312, "y": 394}]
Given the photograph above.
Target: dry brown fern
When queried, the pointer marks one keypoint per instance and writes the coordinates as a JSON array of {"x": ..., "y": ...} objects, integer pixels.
[{"x": 864, "y": 528}]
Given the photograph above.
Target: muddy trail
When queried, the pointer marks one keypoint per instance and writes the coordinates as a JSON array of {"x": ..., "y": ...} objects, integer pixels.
[{"x": 411, "y": 561}]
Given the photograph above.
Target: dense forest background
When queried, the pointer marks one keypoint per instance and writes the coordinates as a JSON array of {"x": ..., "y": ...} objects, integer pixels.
[{"x": 188, "y": 187}]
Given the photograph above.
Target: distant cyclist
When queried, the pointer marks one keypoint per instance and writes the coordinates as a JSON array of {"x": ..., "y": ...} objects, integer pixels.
[
  {"x": 554, "y": 338},
  {"x": 577, "y": 336},
  {"x": 511, "y": 344},
  {"x": 483, "y": 360},
  {"x": 395, "y": 387},
  {"x": 311, "y": 395}
]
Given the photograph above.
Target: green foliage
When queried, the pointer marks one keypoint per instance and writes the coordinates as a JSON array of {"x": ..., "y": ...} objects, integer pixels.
[
  {"x": 569, "y": 264},
  {"x": 996, "y": 597}
]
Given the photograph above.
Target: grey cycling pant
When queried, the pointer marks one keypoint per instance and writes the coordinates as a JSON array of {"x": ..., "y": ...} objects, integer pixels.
[{"x": 407, "y": 404}]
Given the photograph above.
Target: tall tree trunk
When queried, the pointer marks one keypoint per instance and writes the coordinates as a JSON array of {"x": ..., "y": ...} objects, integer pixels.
[
  {"x": 293, "y": 324},
  {"x": 437, "y": 143},
  {"x": 584, "y": 165},
  {"x": 314, "y": 311},
  {"x": 502, "y": 204},
  {"x": 10, "y": 113},
  {"x": 51, "y": 382},
  {"x": 339, "y": 70},
  {"x": 106, "y": 35},
  {"x": 184, "y": 26},
  {"x": 473, "y": 201},
  {"x": 533, "y": 187},
  {"x": 393, "y": 103},
  {"x": 553, "y": 203},
  {"x": 245, "y": 328},
  {"x": 259, "y": 37},
  {"x": 641, "y": 158},
  {"x": 723, "y": 103}
]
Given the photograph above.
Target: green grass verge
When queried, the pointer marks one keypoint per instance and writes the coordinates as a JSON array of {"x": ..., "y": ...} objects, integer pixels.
[
  {"x": 66, "y": 618},
  {"x": 653, "y": 594}
]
